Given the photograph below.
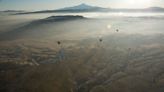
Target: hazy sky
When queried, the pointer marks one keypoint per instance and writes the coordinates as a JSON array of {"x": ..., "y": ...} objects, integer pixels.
[{"x": 54, "y": 4}]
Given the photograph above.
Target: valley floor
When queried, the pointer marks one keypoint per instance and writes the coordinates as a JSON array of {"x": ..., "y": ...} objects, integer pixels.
[{"x": 85, "y": 67}]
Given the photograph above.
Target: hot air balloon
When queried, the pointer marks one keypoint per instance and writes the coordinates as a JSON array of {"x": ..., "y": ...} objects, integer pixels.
[
  {"x": 117, "y": 30},
  {"x": 60, "y": 54},
  {"x": 58, "y": 42},
  {"x": 100, "y": 39}
]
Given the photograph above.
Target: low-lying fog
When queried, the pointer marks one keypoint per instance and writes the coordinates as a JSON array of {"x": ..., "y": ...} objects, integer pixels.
[{"x": 96, "y": 25}]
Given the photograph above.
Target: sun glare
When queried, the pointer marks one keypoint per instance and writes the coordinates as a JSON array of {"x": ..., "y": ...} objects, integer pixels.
[
  {"x": 109, "y": 26},
  {"x": 139, "y": 3}
]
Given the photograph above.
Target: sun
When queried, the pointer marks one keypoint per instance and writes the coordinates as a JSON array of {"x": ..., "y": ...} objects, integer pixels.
[{"x": 139, "y": 3}]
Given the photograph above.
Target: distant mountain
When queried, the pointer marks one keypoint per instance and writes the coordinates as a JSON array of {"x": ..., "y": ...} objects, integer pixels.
[
  {"x": 58, "y": 18},
  {"x": 82, "y": 7},
  {"x": 13, "y": 11},
  {"x": 89, "y": 8},
  {"x": 157, "y": 9},
  {"x": 24, "y": 30},
  {"x": 79, "y": 8},
  {"x": 150, "y": 9}
]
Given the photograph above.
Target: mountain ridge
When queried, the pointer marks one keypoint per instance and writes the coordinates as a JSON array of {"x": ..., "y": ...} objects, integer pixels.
[
  {"x": 82, "y": 6},
  {"x": 89, "y": 8}
]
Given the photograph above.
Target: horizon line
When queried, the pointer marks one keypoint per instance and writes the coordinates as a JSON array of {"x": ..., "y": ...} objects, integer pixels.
[{"x": 77, "y": 5}]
